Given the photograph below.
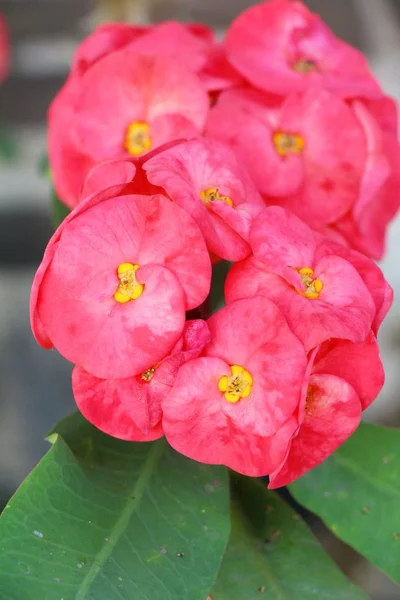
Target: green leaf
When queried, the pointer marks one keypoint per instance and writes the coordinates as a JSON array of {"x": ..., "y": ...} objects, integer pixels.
[
  {"x": 59, "y": 210},
  {"x": 272, "y": 555},
  {"x": 217, "y": 297},
  {"x": 8, "y": 146},
  {"x": 102, "y": 519},
  {"x": 357, "y": 494}
]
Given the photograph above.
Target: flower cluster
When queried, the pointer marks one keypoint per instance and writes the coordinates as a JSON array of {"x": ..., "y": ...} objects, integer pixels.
[{"x": 274, "y": 150}]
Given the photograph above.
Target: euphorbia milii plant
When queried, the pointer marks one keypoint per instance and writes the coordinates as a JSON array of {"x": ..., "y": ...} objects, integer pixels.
[{"x": 215, "y": 290}]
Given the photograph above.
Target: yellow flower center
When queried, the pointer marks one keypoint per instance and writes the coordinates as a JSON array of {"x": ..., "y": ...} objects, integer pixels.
[
  {"x": 137, "y": 138},
  {"x": 288, "y": 143},
  {"x": 305, "y": 66},
  {"x": 312, "y": 287},
  {"x": 129, "y": 288},
  {"x": 147, "y": 375},
  {"x": 213, "y": 195},
  {"x": 237, "y": 385}
]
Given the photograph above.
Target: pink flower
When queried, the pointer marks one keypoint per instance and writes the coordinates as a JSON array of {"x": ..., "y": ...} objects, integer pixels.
[
  {"x": 235, "y": 404},
  {"x": 115, "y": 282},
  {"x": 130, "y": 409},
  {"x": 154, "y": 99},
  {"x": 307, "y": 152},
  {"x": 4, "y": 49},
  {"x": 282, "y": 47},
  {"x": 193, "y": 44},
  {"x": 335, "y": 164},
  {"x": 321, "y": 294},
  {"x": 343, "y": 379},
  {"x": 205, "y": 179}
]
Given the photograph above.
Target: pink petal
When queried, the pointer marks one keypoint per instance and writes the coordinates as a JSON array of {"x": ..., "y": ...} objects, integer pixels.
[
  {"x": 246, "y": 125},
  {"x": 358, "y": 364},
  {"x": 139, "y": 88},
  {"x": 283, "y": 242},
  {"x": 172, "y": 238},
  {"x": 196, "y": 426},
  {"x": 107, "y": 174},
  {"x": 69, "y": 161},
  {"x": 111, "y": 233},
  {"x": 186, "y": 170},
  {"x": 333, "y": 413},
  {"x": 334, "y": 155},
  {"x": 266, "y": 39},
  {"x": 115, "y": 406},
  {"x": 252, "y": 333}
]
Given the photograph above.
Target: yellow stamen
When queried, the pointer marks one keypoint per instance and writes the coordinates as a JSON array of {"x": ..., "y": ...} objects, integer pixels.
[
  {"x": 237, "y": 385},
  {"x": 308, "y": 408},
  {"x": 129, "y": 288},
  {"x": 147, "y": 375},
  {"x": 137, "y": 138},
  {"x": 213, "y": 195},
  {"x": 312, "y": 287},
  {"x": 305, "y": 66},
  {"x": 288, "y": 143}
]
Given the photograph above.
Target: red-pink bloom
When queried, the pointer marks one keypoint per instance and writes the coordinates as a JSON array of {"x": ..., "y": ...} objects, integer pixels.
[
  {"x": 307, "y": 152},
  {"x": 343, "y": 379},
  {"x": 115, "y": 282},
  {"x": 281, "y": 47},
  {"x": 235, "y": 404},
  {"x": 4, "y": 49},
  {"x": 130, "y": 408},
  {"x": 205, "y": 178},
  {"x": 125, "y": 104},
  {"x": 194, "y": 44},
  {"x": 321, "y": 294}
]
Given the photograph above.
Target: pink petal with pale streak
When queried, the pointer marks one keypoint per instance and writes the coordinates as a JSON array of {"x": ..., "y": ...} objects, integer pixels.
[
  {"x": 117, "y": 214},
  {"x": 254, "y": 334},
  {"x": 171, "y": 237},
  {"x": 266, "y": 40},
  {"x": 195, "y": 424},
  {"x": 358, "y": 364},
  {"x": 83, "y": 274},
  {"x": 334, "y": 155},
  {"x": 190, "y": 168},
  {"x": 108, "y": 339},
  {"x": 139, "y": 88},
  {"x": 114, "y": 406},
  {"x": 283, "y": 242},
  {"x": 333, "y": 413},
  {"x": 246, "y": 124}
]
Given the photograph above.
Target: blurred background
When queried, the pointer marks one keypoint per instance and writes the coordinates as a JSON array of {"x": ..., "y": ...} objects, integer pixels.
[{"x": 34, "y": 384}]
